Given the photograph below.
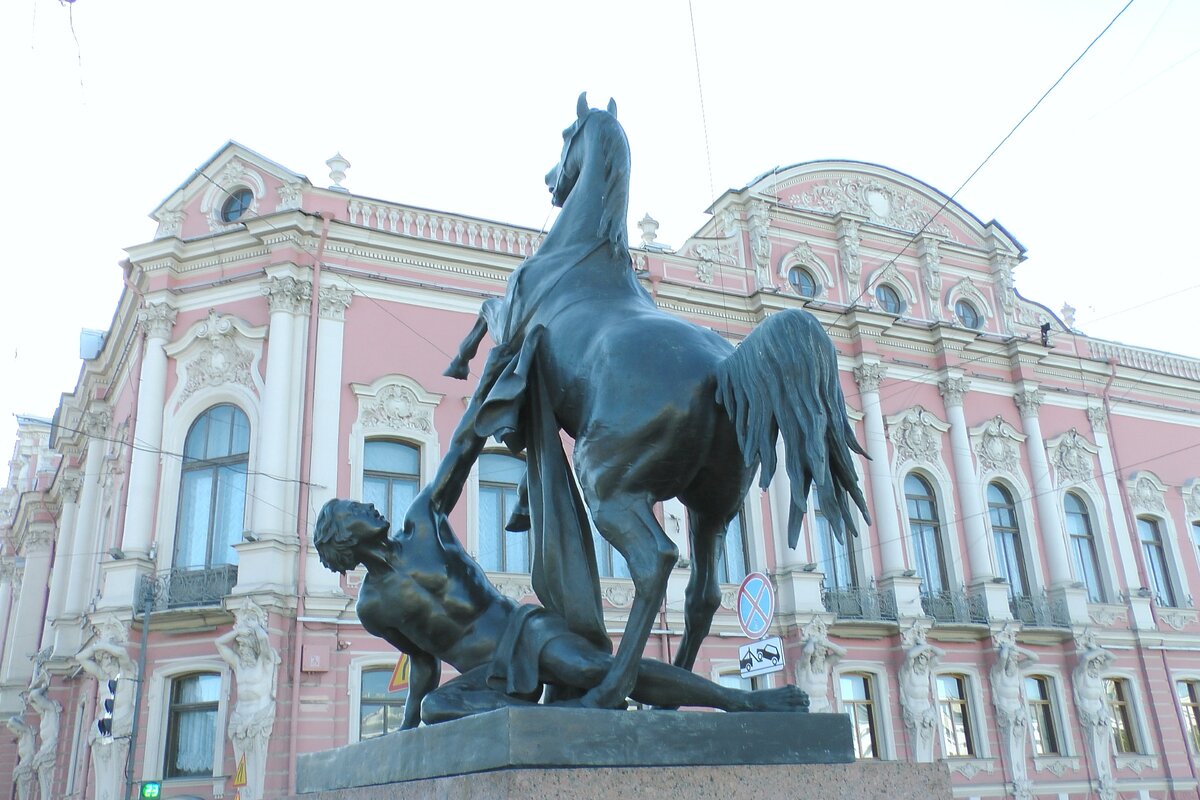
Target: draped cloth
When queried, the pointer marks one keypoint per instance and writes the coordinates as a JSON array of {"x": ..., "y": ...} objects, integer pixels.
[{"x": 517, "y": 411}]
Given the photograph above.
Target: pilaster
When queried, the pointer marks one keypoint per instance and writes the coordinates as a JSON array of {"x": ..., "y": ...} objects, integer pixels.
[{"x": 869, "y": 375}]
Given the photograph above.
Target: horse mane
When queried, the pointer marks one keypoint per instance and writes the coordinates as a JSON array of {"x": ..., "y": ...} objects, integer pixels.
[{"x": 610, "y": 140}]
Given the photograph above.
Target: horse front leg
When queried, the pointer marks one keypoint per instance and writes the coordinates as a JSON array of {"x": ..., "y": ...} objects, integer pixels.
[
  {"x": 460, "y": 365},
  {"x": 628, "y": 523}
]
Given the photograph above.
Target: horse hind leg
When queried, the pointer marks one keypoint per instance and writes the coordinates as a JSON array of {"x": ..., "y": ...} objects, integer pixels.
[
  {"x": 628, "y": 523},
  {"x": 703, "y": 597}
]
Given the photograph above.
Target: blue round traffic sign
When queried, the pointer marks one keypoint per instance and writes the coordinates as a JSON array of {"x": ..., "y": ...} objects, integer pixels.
[{"x": 755, "y": 605}]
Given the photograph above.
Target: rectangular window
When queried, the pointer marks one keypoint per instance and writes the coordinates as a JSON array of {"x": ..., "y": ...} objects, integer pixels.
[
  {"x": 192, "y": 726},
  {"x": 609, "y": 561},
  {"x": 501, "y": 550},
  {"x": 1124, "y": 737},
  {"x": 836, "y": 560},
  {"x": 380, "y": 710},
  {"x": 957, "y": 738},
  {"x": 1042, "y": 718},
  {"x": 858, "y": 702},
  {"x": 1188, "y": 693},
  {"x": 1156, "y": 561},
  {"x": 732, "y": 565}
]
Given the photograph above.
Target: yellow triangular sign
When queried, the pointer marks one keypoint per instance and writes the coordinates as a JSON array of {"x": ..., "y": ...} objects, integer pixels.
[
  {"x": 399, "y": 680},
  {"x": 237, "y": 794},
  {"x": 239, "y": 779}
]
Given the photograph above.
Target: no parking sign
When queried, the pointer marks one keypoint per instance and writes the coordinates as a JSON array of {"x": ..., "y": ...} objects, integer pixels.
[{"x": 755, "y": 605}]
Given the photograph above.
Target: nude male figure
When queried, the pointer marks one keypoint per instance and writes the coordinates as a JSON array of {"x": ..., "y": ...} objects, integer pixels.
[{"x": 427, "y": 597}]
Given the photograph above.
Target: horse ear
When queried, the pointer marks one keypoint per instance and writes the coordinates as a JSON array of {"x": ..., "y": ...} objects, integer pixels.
[
  {"x": 612, "y": 107},
  {"x": 581, "y": 107}
]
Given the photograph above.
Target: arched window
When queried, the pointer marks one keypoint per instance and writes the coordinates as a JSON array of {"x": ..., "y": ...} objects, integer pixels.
[
  {"x": 501, "y": 550},
  {"x": 1150, "y": 534},
  {"x": 925, "y": 527},
  {"x": 1083, "y": 547},
  {"x": 802, "y": 281},
  {"x": 212, "y": 494},
  {"x": 192, "y": 725},
  {"x": 391, "y": 477},
  {"x": 1010, "y": 557},
  {"x": 380, "y": 710},
  {"x": 732, "y": 564},
  {"x": 889, "y": 299}
]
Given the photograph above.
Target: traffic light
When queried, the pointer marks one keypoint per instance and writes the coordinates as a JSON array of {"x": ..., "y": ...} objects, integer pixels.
[
  {"x": 104, "y": 724},
  {"x": 151, "y": 789}
]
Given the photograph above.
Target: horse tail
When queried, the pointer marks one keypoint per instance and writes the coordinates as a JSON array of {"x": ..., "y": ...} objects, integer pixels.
[{"x": 784, "y": 378}]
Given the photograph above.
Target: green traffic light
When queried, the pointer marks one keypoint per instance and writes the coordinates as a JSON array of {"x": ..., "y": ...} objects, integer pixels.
[{"x": 151, "y": 789}]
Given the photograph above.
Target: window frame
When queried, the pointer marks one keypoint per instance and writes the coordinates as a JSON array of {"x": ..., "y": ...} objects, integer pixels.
[
  {"x": 391, "y": 477},
  {"x": 968, "y": 703},
  {"x": 796, "y": 284},
  {"x": 505, "y": 512},
  {"x": 884, "y": 306},
  {"x": 1190, "y": 710},
  {"x": 1166, "y": 582},
  {"x": 723, "y": 574},
  {"x": 389, "y": 703},
  {"x": 158, "y": 709},
  {"x": 1050, "y": 715},
  {"x": 919, "y": 555},
  {"x": 883, "y": 713},
  {"x": 216, "y": 466},
  {"x": 872, "y": 706},
  {"x": 1073, "y": 539},
  {"x": 1008, "y": 534},
  {"x": 175, "y": 712},
  {"x": 1130, "y": 719},
  {"x": 977, "y": 323}
]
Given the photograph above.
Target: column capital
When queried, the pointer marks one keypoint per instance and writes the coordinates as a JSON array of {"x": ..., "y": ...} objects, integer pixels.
[
  {"x": 95, "y": 421},
  {"x": 285, "y": 293},
  {"x": 157, "y": 319},
  {"x": 1098, "y": 417},
  {"x": 869, "y": 376},
  {"x": 953, "y": 389},
  {"x": 333, "y": 302},
  {"x": 1029, "y": 401},
  {"x": 69, "y": 487}
]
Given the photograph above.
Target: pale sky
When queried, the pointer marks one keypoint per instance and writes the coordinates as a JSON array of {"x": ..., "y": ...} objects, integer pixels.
[{"x": 459, "y": 106}]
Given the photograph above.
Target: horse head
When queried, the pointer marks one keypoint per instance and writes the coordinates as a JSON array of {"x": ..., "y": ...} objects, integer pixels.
[{"x": 594, "y": 144}]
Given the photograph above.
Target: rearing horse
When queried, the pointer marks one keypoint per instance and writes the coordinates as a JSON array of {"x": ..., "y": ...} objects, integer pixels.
[{"x": 658, "y": 407}]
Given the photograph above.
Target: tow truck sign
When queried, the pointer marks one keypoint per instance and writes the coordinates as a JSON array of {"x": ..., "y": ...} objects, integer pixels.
[{"x": 761, "y": 657}]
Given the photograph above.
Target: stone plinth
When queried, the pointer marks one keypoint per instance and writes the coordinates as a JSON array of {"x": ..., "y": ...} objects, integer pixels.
[{"x": 559, "y": 752}]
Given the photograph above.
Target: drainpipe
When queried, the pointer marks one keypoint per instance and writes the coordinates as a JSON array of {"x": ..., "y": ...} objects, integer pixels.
[{"x": 302, "y": 517}]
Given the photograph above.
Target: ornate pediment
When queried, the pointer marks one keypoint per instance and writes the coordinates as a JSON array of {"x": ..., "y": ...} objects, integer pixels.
[
  {"x": 394, "y": 405},
  {"x": 219, "y": 351},
  {"x": 882, "y": 203},
  {"x": 1147, "y": 494},
  {"x": 917, "y": 436},
  {"x": 1073, "y": 458},
  {"x": 1191, "y": 498},
  {"x": 997, "y": 446}
]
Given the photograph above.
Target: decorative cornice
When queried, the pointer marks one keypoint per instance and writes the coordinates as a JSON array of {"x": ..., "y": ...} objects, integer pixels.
[
  {"x": 333, "y": 302},
  {"x": 869, "y": 376},
  {"x": 285, "y": 293},
  {"x": 1029, "y": 401},
  {"x": 953, "y": 390},
  {"x": 157, "y": 319}
]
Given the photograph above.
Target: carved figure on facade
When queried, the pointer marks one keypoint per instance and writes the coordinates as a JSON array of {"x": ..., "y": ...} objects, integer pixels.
[
  {"x": 107, "y": 660},
  {"x": 50, "y": 713},
  {"x": 24, "y": 773},
  {"x": 1012, "y": 712},
  {"x": 931, "y": 274},
  {"x": 917, "y": 436},
  {"x": 1091, "y": 705},
  {"x": 916, "y": 690},
  {"x": 1002, "y": 274},
  {"x": 848, "y": 247},
  {"x": 997, "y": 446},
  {"x": 760, "y": 243},
  {"x": 817, "y": 656},
  {"x": 1073, "y": 458},
  {"x": 247, "y": 649},
  {"x": 881, "y": 203}
]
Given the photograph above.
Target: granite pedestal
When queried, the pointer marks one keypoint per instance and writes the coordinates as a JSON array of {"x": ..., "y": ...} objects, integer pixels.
[{"x": 572, "y": 753}]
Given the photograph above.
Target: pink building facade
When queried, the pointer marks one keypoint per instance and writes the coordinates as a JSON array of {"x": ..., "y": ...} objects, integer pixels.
[{"x": 1021, "y": 607}]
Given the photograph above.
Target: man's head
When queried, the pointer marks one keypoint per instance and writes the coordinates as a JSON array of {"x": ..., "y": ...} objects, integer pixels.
[{"x": 342, "y": 526}]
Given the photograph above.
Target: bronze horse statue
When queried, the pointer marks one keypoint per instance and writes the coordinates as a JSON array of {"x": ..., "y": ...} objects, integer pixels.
[{"x": 658, "y": 408}]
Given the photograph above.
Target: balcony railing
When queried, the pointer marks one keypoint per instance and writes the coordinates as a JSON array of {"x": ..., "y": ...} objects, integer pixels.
[
  {"x": 1039, "y": 612},
  {"x": 189, "y": 587},
  {"x": 955, "y": 606},
  {"x": 860, "y": 602}
]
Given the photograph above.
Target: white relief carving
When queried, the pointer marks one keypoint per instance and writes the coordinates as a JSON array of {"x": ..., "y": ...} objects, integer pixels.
[
  {"x": 1191, "y": 498},
  {"x": 1098, "y": 418},
  {"x": 285, "y": 293},
  {"x": 817, "y": 657},
  {"x": 618, "y": 594},
  {"x": 953, "y": 390},
  {"x": 170, "y": 223},
  {"x": 707, "y": 256},
  {"x": 917, "y": 436},
  {"x": 760, "y": 244},
  {"x": 247, "y": 649},
  {"x": 1177, "y": 618},
  {"x": 23, "y": 773},
  {"x": 1137, "y": 763},
  {"x": 157, "y": 319},
  {"x": 220, "y": 360},
  {"x": 397, "y": 408},
  {"x": 970, "y": 767},
  {"x": 802, "y": 255},
  {"x": 869, "y": 376},
  {"x": 727, "y": 598},
  {"x": 289, "y": 196},
  {"x": 881, "y": 203},
  {"x": 1105, "y": 616},
  {"x": 916, "y": 691},
  {"x": 1072, "y": 457},
  {"x": 1057, "y": 766},
  {"x": 1008, "y": 696},
  {"x": 966, "y": 289},
  {"x": 997, "y": 446},
  {"x": 333, "y": 302},
  {"x": 512, "y": 588},
  {"x": 106, "y": 659},
  {"x": 236, "y": 174},
  {"x": 891, "y": 275},
  {"x": 1146, "y": 494},
  {"x": 50, "y": 714},
  {"x": 1029, "y": 401}
]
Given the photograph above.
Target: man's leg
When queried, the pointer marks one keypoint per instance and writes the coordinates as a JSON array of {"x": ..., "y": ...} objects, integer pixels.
[{"x": 465, "y": 696}]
